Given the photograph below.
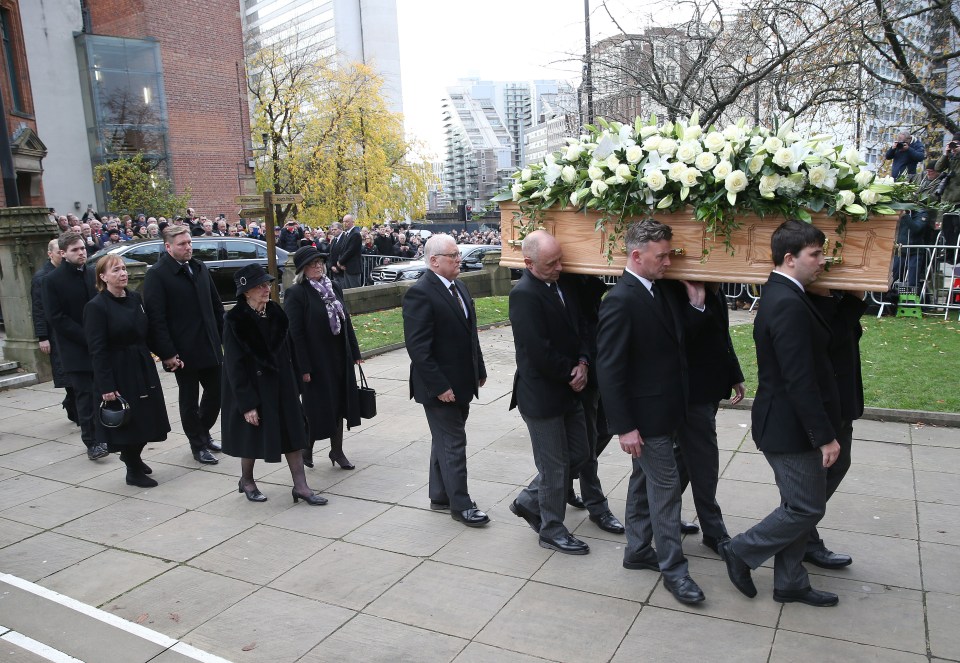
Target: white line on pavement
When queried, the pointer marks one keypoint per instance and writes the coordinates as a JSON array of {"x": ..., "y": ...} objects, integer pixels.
[{"x": 38, "y": 648}]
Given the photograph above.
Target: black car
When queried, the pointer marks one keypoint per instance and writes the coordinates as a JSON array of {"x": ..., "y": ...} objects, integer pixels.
[{"x": 223, "y": 256}]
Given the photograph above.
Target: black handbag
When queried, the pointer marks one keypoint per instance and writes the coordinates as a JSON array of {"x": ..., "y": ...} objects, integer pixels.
[
  {"x": 366, "y": 397},
  {"x": 111, "y": 417}
]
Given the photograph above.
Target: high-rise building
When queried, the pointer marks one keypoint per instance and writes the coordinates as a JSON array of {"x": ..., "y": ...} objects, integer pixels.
[{"x": 362, "y": 31}]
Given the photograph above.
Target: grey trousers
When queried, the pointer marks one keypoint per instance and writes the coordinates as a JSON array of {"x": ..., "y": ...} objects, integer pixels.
[
  {"x": 653, "y": 507},
  {"x": 835, "y": 474},
  {"x": 448, "y": 454},
  {"x": 783, "y": 534},
  {"x": 699, "y": 465},
  {"x": 352, "y": 280},
  {"x": 560, "y": 450}
]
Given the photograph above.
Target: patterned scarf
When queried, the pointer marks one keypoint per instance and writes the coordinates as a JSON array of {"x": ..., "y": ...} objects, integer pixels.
[{"x": 335, "y": 313}]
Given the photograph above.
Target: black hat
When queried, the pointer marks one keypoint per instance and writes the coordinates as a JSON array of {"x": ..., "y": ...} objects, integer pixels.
[
  {"x": 306, "y": 255},
  {"x": 250, "y": 276}
]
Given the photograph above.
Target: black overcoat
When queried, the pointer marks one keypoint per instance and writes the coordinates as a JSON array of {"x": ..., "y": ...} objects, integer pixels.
[
  {"x": 331, "y": 393},
  {"x": 711, "y": 359},
  {"x": 116, "y": 329},
  {"x": 259, "y": 373},
  {"x": 186, "y": 314},
  {"x": 66, "y": 290},
  {"x": 40, "y": 325}
]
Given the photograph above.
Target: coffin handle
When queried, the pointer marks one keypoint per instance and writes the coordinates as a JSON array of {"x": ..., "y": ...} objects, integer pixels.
[{"x": 679, "y": 251}]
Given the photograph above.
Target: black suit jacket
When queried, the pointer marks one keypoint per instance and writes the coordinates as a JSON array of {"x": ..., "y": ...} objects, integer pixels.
[
  {"x": 843, "y": 314},
  {"x": 550, "y": 340},
  {"x": 442, "y": 343},
  {"x": 349, "y": 246},
  {"x": 641, "y": 363},
  {"x": 186, "y": 314},
  {"x": 66, "y": 290},
  {"x": 797, "y": 407},
  {"x": 712, "y": 361}
]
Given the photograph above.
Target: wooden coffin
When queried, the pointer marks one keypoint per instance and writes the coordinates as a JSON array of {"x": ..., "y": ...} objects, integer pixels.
[{"x": 861, "y": 263}]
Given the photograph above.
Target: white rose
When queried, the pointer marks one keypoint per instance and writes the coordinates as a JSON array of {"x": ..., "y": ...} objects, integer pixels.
[
  {"x": 612, "y": 162},
  {"x": 574, "y": 152},
  {"x": 772, "y": 144},
  {"x": 845, "y": 198},
  {"x": 690, "y": 177},
  {"x": 818, "y": 176},
  {"x": 688, "y": 151},
  {"x": 714, "y": 141},
  {"x": 851, "y": 156},
  {"x": 652, "y": 143},
  {"x": 623, "y": 172},
  {"x": 568, "y": 174},
  {"x": 733, "y": 132},
  {"x": 705, "y": 161},
  {"x": 768, "y": 185},
  {"x": 634, "y": 154},
  {"x": 722, "y": 169},
  {"x": 646, "y": 132},
  {"x": 868, "y": 197},
  {"x": 692, "y": 132},
  {"x": 574, "y": 199},
  {"x": 667, "y": 147},
  {"x": 655, "y": 180},
  {"x": 598, "y": 187},
  {"x": 736, "y": 181},
  {"x": 677, "y": 169},
  {"x": 755, "y": 165},
  {"x": 783, "y": 157},
  {"x": 594, "y": 172},
  {"x": 863, "y": 178},
  {"x": 884, "y": 180},
  {"x": 526, "y": 174}
]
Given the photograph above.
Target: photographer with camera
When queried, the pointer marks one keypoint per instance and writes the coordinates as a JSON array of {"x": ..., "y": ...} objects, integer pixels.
[
  {"x": 949, "y": 165},
  {"x": 906, "y": 154}
]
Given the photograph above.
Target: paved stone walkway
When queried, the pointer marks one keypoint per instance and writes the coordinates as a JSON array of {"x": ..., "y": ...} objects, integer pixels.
[{"x": 192, "y": 567}]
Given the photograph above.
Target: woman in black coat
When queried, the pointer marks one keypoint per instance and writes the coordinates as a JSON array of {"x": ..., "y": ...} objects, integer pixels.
[
  {"x": 327, "y": 349},
  {"x": 115, "y": 325},
  {"x": 261, "y": 413}
]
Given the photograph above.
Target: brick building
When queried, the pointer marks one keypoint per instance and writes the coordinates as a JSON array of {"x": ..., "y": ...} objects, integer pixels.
[
  {"x": 198, "y": 125},
  {"x": 25, "y": 147}
]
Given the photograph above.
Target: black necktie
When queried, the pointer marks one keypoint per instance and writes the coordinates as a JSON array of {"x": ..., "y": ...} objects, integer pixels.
[
  {"x": 556, "y": 289},
  {"x": 456, "y": 293},
  {"x": 658, "y": 298}
]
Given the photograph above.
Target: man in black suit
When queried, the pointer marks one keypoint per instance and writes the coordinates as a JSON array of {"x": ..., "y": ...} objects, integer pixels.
[
  {"x": 795, "y": 418},
  {"x": 446, "y": 372},
  {"x": 714, "y": 373},
  {"x": 41, "y": 327},
  {"x": 842, "y": 311},
  {"x": 552, "y": 359},
  {"x": 642, "y": 370},
  {"x": 349, "y": 262},
  {"x": 66, "y": 291},
  {"x": 336, "y": 273},
  {"x": 186, "y": 327}
]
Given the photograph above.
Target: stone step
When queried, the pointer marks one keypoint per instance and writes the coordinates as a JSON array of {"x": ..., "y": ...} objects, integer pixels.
[
  {"x": 15, "y": 380},
  {"x": 8, "y": 366}
]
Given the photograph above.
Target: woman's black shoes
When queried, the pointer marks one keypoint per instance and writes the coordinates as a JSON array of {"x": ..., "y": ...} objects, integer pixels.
[
  {"x": 140, "y": 480},
  {"x": 253, "y": 495},
  {"x": 339, "y": 459},
  {"x": 311, "y": 499}
]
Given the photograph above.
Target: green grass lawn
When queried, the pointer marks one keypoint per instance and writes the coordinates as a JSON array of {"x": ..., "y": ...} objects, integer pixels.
[
  {"x": 907, "y": 364},
  {"x": 376, "y": 330}
]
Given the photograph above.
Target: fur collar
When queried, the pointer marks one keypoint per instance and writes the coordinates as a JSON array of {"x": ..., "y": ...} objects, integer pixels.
[{"x": 247, "y": 327}]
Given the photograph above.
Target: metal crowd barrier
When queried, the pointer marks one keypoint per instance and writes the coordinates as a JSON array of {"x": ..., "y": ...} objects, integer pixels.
[{"x": 928, "y": 271}]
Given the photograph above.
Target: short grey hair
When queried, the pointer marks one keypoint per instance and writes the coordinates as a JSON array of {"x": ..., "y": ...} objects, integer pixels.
[
  {"x": 433, "y": 245},
  {"x": 335, "y": 225},
  {"x": 639, "y": 234}
]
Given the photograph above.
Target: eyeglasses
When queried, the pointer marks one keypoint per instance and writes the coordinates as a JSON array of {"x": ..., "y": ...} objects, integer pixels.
[{"x": 448, "y": 255}]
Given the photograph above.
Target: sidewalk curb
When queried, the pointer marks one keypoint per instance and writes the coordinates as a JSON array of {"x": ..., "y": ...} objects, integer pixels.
[{"x": 946, "y": 419}]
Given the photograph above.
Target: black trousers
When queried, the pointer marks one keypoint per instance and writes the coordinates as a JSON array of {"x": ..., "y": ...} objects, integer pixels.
[
  {"x": 698, "y": 461},
  {"x": 81, "y": 382},
  {"x": 198, "y": 415},
  {"x": 590, "y": 488}
]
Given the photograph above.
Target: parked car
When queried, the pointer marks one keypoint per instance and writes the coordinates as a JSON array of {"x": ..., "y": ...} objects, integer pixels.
[
  {"x": 471, "y": 260},
  {"x": 223, "y": 256}
]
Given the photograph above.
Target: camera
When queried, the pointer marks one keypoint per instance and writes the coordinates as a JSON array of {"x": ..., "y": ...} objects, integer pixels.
[
  {"x": 900, "y": 144},
  {"x": 952, "y": 145}
]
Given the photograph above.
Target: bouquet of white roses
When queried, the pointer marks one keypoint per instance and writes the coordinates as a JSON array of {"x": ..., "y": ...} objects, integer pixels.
[{"x": 629, "y": 171}]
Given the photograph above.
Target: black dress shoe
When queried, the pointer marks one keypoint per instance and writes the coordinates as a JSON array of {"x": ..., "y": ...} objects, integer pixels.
[
  {"x": 712, "y": 542},
  {"x": 737, "y": 570},
  {"x": 472, "y": 517},
  {"x": 575, "y": 500},
  {"x": 204, "y": 457},
  {"x": 568, "y": 544},
  {"x": 608, "y": 523},
  {"x": 140, "y": 480},
  {"x": 97, "y": 451},
  {"x": 253, "y": 495},
  {"x": 810, "y": 596},
  {"x": 439, "y": 506},
  {"x": 213, "y": 445},
  {"x": 532, "y": 519},
  {"x": 312, "y": 499},
  {"x": 684, "y": 589},
  {"x": 827, "y": 559},
  {"x": 688, "y": 527},
  {"x": 146, "y": 469},
  {"x": 646, "y": 563}
]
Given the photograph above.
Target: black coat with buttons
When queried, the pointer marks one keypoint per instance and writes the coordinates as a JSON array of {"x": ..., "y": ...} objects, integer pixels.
[{"x": 259, "y": 373}]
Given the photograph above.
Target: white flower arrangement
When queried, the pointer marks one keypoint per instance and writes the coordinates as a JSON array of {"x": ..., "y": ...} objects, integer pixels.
[{"x": 629, "y": 172}]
